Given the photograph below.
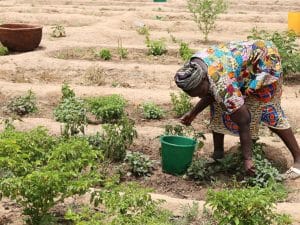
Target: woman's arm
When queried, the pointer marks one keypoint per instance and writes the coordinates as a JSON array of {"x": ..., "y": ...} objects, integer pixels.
[
  {"x": 242, "y": 118},
  {"x": 188, "y": 118}
]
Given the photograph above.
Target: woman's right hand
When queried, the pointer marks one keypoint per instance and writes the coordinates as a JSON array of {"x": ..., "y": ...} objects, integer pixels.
[{"x": 187, "y": 119}]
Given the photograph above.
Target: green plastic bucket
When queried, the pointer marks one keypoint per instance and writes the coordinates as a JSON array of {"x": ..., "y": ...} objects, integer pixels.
[
  {"x": 176, "y": 153},
  {"x": 159, "y": 0}
]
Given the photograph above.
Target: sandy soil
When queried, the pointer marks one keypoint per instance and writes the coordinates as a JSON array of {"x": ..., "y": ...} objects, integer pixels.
[{"x": 101, "y": 23}]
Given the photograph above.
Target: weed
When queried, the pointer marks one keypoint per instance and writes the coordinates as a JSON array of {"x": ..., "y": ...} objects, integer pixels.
[
  {"x": 152, "y": 111},
  {"x": 249, "y": 206},
  {"x": 23, "y": 105},
  {"x": 107, "y": 108},
  {"x": 117, "y": 138},
  {"x": 143, "y": 30},
  {"x": 104, "y": 54},
  {"x": 3, "y": 50},
  {"x": 139, "y": 164},
  {"x": 123, "y": 52},
  {"x": 95, "y": 76},
  {"x": 205, "y": 13},
  {"x": 58, "y": 31},
  {"x": 287, "y": 47},
  {"x": 190, "y": 214},
  {"x": 184, "y": 51},
  {"x": 156, "y": 47},
  {"x": 181, "y": 103}
]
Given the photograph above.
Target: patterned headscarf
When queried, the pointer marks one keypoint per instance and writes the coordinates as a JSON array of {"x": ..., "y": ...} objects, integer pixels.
[{"x": 190, "y": 75}]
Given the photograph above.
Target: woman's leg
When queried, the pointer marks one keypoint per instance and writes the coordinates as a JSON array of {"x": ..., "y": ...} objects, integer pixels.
[
  {"x": 218, "y": 139},
  {"x": 288, "y": 137}
]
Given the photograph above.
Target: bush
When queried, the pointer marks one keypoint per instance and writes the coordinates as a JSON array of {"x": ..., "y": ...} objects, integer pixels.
[
  {"x": 205, "y": 13},
  {"x": 117, "y": 138},
  {"x": 184, "y": 51},
  {"x": 58, "y": 31},
  {"x": 181, "y": 103},
  {"x": 249, "y": 206},
  {"x": 3, "y": 50},
  {"x": 43, "y": 171},
  {"x": 143, "y": 30},
  {"x": 107, "y": 108},
  {"x": 23, "y": 105},
  {"x": 201, "y": 170},
  {"x": 156, "y": 47},
  {"x": 286, "y": 42},
  {"x": 139, "y": 164},
  {"x": 124, "y": 205},
  {"x": 152, "y": 111},
  {"x": 72, "y": 112},
  {"x": 104, "y": 54}
]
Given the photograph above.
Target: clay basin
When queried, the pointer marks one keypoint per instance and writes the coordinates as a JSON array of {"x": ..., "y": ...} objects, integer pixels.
[{"x": 20, "y": 37}]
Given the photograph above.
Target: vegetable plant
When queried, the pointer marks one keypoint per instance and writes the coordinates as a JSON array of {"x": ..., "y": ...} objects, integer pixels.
[
  {"x": 3, "y": 50},
  {"x": 143, "y": 30},
  {"x": 123, "y": 52},
  {"x": 152, "y": 111},
  {"x": 139, "y": 164},
  {"x": 108, "y": 108},
  {"x": 249, "y": 206},
  {"x": 184, "y": 51},
  {"x": 181, "y": 103},
  {"x": 104, "y": 54},
  {"x": 205, "y": 13},
  {"x": 42, "y": 170},
  {"x": 23, "y": 105},
  {"x": 188, "y": 131},
  {"x": 71, "y": 111},
  {"x": 117, "y": 138},
  {"x": 287, "y": 47},
  {"x": 156, "y": 47},
  {"x": 58, "y": 31}
]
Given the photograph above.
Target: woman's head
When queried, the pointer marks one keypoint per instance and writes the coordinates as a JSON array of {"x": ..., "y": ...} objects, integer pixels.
[{"x": 192, "y": 78}]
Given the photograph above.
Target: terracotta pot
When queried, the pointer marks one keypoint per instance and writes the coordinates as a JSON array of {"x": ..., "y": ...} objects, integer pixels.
[{"x": 20, "y": 37}]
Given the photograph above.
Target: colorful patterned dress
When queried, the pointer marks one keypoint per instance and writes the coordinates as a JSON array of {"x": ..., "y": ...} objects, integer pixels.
[{"x": 245, "y": 73}]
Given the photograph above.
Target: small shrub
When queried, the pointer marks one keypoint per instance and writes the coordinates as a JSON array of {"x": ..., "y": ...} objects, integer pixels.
[
  {"x": 117, "y": 138},
  {"x": 3, "y": 50},
  {"x": 152, "y": 111},
  {"x": 107, "y": 108},
  {"x": 95, "y": 76},
  {"x": 249, "y": 206},
  {"x": 287, "y": 47},
  {"x": 205, "y": 13},
  {"x": 156, "y": 47},
  {"x": 143, "y": 30},
  {"x": 104, "y": 54},
  {"x": 181, "y": 103},
  {"x": 67, "y": 92},
  {"x": 44, "y": 171},
  {"x": 123, "y": 52},
  {"x": 201, "y": 170},
  {"x": 139, "y": 164},
  {"x": 23, "y": 105},
  {"x": 58, "y": 31},
  {"x": 184, "y": 51}
]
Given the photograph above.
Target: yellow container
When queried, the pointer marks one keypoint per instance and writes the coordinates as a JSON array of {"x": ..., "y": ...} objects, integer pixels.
[{"x": 294, "y": 22}]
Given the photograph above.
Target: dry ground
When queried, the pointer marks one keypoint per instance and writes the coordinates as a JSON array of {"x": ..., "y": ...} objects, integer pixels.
[{"x": 100, "y": 23}]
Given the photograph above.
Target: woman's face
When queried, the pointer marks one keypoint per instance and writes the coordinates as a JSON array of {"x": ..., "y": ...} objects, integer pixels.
[{"x": 201, "y": 90}]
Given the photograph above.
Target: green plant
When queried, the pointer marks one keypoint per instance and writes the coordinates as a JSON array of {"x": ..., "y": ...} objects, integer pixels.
[
  {"x": 205, "y": 13},
  {"x": 187, "y": 131},
  {"x": 247, "y": 206},
  {"x": 201, "y": 170},
  {"x": 108, "y": 108},
  {"x": 181, "y": 103},
  {"x": 117, "y": 138},
  {"x": 23, "y": 105},
  {"x": 72, "y": 112},
  {"x": 104, "y": 54},
  {"x": 3, "y": 50},
  {"x": 139, "y": 164},
  {"x": 58, "y": 31},
  {"x": 286, "y": 42},
  {"x": 42, "y": 171},
  {"x": 123, "y": 52},
  {"x": 152, "y": 111},
  {"x": 143, "y": 30},
  {"x": 156, "y": 47},
  {"x": 190, "y": 214},
  {"x": 184, "y": 51}
]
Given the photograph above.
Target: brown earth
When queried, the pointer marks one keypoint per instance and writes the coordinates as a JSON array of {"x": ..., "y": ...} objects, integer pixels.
[{"x": 100, "y": 24}]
